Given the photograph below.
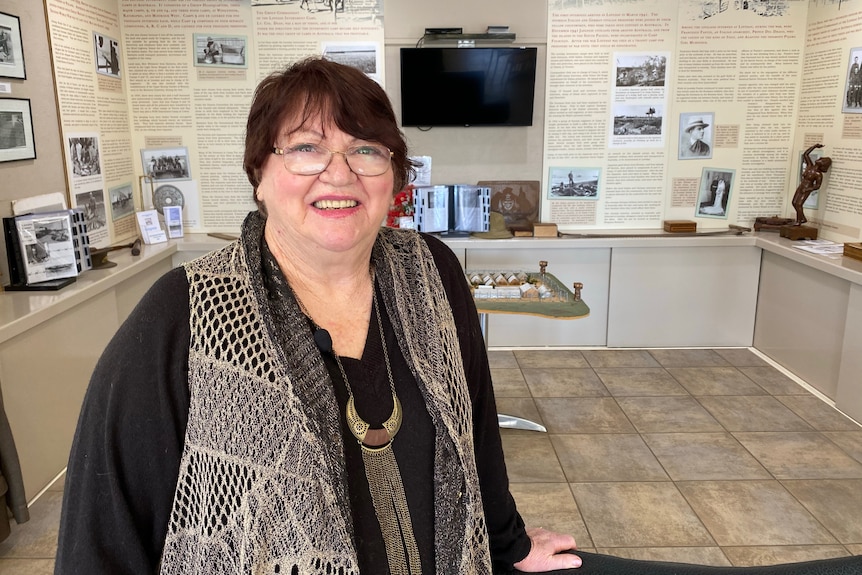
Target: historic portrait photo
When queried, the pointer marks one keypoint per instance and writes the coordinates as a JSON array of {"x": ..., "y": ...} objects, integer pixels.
[
  {"x": 853, "y": 83},
  {"x": 695, "y": 136},
  {"x": 715, "y": 188}
]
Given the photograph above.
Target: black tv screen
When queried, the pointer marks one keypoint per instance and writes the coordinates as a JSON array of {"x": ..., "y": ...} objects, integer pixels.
[{"x": 467, "y": 86}]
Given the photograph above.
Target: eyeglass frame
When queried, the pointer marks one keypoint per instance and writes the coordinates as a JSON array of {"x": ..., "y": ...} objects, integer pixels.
[{"x": 281, "y": 152}]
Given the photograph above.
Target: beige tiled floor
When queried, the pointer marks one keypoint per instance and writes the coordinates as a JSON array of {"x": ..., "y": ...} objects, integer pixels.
[
  {"x": 702, "y": 456},
  {"x": 695, "y": 455}
]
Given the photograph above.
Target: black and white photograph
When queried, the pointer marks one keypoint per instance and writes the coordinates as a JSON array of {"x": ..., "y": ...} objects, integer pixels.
[
  {"x": 16, "y": 130},
  {"x": 638, "y": 119},
  {"x": 219, "y": 50},
  {"x": 11, "y": 51},
  {"x": 853, "y": 85},
  {"x": 166, "y": 164},
  {"x": 362, "y": 56},
  {"x": 107, "y": 54},
  {"x": 353, "y": 10},
  {"x": 93, "y": 205},
  {"x": 122, "y": 201},
  {"x": 84, "y": 156},
  {"x": 716, "y": 185},
  {"x": 703, "y": 9},
  {"x": 47, "y": 246},
  {"x": 695, "y": 136},
  {"x": 640, "y": 70},
  {"x": 574, "y": 183},
  {"x": 307, "y": 5}
]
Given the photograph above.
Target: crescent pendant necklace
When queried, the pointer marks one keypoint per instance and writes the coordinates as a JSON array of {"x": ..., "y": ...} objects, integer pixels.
[{"x": 381, "y": 468}]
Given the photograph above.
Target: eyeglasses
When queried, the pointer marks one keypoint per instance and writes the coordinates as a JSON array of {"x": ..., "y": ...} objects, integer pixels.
[{"x": 311, "y": 159}]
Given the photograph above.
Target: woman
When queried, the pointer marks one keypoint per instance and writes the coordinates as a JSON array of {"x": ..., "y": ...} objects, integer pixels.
[{"x": 314, "y": 398}]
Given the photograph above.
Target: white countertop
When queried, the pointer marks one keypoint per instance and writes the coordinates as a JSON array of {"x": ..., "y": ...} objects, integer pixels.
[
  {"x": 23, "y": 310},
  {"x": 20, "y": 311}
]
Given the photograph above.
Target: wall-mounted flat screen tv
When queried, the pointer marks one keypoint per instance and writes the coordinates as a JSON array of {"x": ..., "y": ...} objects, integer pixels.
[{"x": 467, "y": 86}]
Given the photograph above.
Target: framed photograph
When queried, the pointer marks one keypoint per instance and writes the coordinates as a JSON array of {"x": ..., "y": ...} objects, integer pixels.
[
  {"x": 364, "y": 56},
  {"x": 716, "y": 185},
  {"x": 517, "y": 200},
  {"x": 220, "y": 51},
  {"x": 574, "y": 183},
  {"x": 84, "y": 156},
  {"x": 852, "y": 103},
  {"x": 640, "y": 70},
  {"x": 11, "y": 53},
  {"x": 122, "y": 201},
  {"x": 166, "y": 164},
  {"x": 107, "y": 55},
  {"x": 16, "y": 130},
  {"x": 92, "y": 205},
  {"x": 695, "y": 136}
]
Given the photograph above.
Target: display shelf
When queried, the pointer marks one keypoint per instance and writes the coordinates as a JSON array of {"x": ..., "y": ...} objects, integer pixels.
[{"x": 475, "y": 38}]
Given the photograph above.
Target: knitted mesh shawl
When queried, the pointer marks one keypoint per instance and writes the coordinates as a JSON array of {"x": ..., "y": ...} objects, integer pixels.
[{"x": 262, "y": 482}]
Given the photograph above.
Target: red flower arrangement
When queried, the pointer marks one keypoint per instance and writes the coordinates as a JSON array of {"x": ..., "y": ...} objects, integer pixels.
[{"x": 402, "y": 206}]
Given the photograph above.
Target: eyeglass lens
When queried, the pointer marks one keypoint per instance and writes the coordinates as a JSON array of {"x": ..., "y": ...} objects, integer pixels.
[{"x": 309, "y": 159}]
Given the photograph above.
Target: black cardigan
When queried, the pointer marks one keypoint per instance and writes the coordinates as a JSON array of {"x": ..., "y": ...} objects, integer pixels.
[{"x": 125, "y": 457}]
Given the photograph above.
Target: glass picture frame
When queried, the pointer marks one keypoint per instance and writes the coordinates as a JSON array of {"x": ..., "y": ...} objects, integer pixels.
[
  {"x": 16, "y": 130},
  {"x": 11, "y": 48}
]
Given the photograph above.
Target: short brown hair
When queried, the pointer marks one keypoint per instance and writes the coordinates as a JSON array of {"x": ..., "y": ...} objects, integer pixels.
[{"x": 313, "y": 87}]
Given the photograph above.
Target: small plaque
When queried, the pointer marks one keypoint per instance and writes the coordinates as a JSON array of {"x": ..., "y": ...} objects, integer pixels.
[
  {"x": 675, "y": 226},
  {"x": 853, "y": 250},
  {"x": 522, "y": 230},
  {"x": 543, "y": 230}
]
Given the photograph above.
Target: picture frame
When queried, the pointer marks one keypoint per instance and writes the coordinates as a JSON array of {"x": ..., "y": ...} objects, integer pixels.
[
  {"x": 166, "y": 164},
  {"x": 574, "y": 183},
  {"x": 716, "y": 187},
  {"x": 16, "y": 130},
  {"x": 517, "y": 200},
  {"x": 85, "y": 158},
  {"x": 852, "y": 97},
  {"x": 106, "y": 55},
  {"x": 696, "y": 136},
  {"x": 11, "y": 48},
  {"x": 220, "y": 51}
]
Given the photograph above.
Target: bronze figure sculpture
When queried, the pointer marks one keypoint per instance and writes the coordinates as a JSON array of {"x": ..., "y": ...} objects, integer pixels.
[{"x": 812, "y": 178}]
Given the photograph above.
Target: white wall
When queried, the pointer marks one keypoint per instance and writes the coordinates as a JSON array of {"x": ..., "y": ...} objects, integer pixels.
[{"x": 467, "y": 155}]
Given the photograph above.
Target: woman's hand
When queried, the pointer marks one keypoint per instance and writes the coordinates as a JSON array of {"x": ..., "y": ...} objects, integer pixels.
[{"x": 546, "y": 553}]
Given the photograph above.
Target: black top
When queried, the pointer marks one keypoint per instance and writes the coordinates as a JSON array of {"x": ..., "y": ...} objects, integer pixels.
[{"x": 126, "y": 453}]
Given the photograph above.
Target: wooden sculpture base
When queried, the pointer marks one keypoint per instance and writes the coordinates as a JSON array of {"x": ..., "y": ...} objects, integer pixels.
[{"x": 799, "y": 232}]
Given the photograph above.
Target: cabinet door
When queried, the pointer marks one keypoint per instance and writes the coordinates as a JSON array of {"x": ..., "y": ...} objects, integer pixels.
[
  {"x": 683, "y": 296},
  {"x": 44, "y": 372},
  {"x": 801, "y": 318}
]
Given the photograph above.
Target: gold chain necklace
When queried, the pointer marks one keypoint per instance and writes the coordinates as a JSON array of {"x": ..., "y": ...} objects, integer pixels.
[
  {"x": 381, "y": 468},
  {"x": 373, "y": 439}
]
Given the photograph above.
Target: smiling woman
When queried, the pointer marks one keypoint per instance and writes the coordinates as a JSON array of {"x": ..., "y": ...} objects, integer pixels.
[{"x": 313, "y": 398}]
